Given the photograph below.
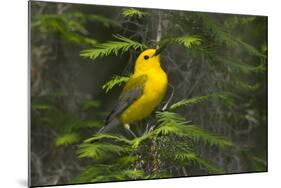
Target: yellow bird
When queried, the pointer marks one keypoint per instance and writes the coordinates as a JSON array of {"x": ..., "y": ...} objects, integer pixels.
[{"x": 142, "y": 93}]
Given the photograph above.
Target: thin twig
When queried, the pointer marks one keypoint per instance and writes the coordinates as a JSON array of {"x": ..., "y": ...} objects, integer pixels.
[
  {"x": 159, "y": 29},
  {"x": 169, "y": 99}
]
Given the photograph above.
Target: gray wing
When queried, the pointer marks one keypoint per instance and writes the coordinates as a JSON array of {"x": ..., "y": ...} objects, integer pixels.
[
  {"x": 131, "y": 92},
  {"x": 127, "y": 99}
]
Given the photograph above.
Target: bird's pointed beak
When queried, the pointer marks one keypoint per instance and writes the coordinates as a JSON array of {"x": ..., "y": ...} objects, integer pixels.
[{"x": 159, "y": 50}]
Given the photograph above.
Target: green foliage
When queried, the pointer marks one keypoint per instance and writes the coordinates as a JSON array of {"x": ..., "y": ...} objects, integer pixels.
[
  {"x": 103, "y": 173},
  {"x": 131, "y": 174},
  {"x": 186, "y": 41},
  {"x": 92, "y": 174},
  {"x": 235, "y": 21},
  {"x": 116, "y": 80},
  {"x": 99, "y": 151},
  {"x": 66, "y": 139},
  {"x": 193, "y": 100},
  {"x": 88, "y": 104},
  {"x": 106, "y": 22},
  {"x": 87, "y": 124},
  {"x": 242, "y": 67},
  {"x": 132, "y": 12},
  {"x": 213, "y": 44},
  {"x": 223, "y": 36},
  {"x": 190, "y": 158},
  {"x": 70, "y": 128},
  {"x": 172, "y": 123},
  {"x": 41, "y": 106},
  {"x": 69, "y": 27},
  {"x": 257, "y": 163},
  {"x": 120, "y": 152},
  {"x": 238, "y": 83},
  {"x": 117, "y": 138},
  {"x": 112, "y": 47},
  {"x": 221, "y": 96}
]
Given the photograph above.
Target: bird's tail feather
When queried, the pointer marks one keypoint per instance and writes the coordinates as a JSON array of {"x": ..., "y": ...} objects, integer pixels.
[{"x": 108, "y": 126}]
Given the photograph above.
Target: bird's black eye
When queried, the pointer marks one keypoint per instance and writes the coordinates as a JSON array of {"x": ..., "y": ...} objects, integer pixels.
[{"x": 146, "y": 57}]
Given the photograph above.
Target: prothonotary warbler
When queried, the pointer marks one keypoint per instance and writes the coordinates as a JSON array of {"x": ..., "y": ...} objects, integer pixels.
[{"x": 142, "y": 93}]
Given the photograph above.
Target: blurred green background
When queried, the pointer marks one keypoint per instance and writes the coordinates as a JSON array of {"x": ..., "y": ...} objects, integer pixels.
[{"x": 217, "y": 64}]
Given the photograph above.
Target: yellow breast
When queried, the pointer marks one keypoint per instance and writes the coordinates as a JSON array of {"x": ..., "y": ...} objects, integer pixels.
[{"x": 154, "y": 91}]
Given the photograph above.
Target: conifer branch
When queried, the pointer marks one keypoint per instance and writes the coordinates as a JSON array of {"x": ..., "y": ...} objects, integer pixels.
[
  {"x": 221, "y": 96},
  {"x": 187, "y": 41},
  {"x": 132, "y": 12},
  {"x": 112, "y": 47},
  {"x": 115, "y": 81}
]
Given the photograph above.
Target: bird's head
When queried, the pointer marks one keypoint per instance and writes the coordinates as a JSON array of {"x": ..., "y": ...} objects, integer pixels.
[{"x": 147, "y": 60}]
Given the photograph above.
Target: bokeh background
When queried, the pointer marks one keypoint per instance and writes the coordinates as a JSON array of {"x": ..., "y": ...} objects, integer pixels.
[{"x": 219, "y": 60}]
